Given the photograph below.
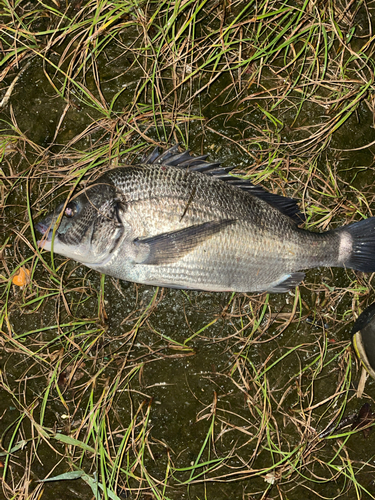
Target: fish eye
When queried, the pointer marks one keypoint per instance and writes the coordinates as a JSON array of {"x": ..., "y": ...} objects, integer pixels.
[{"x": 70, "y": 210}]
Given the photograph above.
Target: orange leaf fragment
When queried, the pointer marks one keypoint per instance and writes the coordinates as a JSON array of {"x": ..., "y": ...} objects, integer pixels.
[{"x": 22, "y": 277}]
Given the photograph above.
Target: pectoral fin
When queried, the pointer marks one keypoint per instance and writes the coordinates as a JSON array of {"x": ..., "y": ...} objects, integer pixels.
[{"x": 166, "y": 248}]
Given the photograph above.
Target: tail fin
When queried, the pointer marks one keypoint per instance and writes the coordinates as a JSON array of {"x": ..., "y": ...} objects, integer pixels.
[{"x": 357, "y": 245}]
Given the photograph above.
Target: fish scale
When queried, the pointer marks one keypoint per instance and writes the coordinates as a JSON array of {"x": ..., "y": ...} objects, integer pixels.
[{"x": 161, "y": 223}]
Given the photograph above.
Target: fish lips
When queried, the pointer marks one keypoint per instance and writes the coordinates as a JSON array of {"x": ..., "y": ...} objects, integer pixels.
[{"x": 47, "y": 232}]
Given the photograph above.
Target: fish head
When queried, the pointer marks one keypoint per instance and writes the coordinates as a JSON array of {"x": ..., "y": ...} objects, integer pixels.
[{"x": 88, "y": 228}]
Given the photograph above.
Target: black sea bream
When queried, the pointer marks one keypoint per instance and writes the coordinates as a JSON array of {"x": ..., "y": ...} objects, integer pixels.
[{"x": 180, "y": 222}]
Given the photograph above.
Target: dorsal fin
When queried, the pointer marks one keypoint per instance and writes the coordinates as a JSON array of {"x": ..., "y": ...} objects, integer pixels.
[{"x": 172, "y": 157}]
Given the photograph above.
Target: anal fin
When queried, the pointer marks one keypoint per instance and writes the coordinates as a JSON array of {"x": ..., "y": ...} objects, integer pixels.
[{"x": 288, "y": 282}]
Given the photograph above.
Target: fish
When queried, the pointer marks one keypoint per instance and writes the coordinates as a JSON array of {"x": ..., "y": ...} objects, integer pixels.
[
  {"x": 176, "y": 220},
  {"x": 363, "y": 338}
]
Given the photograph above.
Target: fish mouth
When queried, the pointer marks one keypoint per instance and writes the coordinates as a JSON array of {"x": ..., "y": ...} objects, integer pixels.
[{"x": 47, "y": 233}]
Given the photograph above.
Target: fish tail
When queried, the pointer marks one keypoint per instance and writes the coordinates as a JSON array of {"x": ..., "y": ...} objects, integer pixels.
[{"x": 357, "y": 245}]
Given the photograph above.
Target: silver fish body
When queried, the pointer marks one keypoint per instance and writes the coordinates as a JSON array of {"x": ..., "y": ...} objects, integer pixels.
[{"x": 179, "y": 222}]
